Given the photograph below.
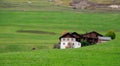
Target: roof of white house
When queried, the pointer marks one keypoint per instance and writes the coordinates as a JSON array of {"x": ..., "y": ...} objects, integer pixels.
[{"x": 72, "y": 35}]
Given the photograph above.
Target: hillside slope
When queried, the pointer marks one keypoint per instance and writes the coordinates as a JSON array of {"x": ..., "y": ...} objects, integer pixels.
[
  {"x": 98, "y": 55},
  {"x": 46, "y": 29}
]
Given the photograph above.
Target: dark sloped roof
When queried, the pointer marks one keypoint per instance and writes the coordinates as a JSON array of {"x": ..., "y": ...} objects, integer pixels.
[
  {"x": 76, "y": 35},
  {"x": 93, "y": 32},
  {"x": 66, "y": 34}
]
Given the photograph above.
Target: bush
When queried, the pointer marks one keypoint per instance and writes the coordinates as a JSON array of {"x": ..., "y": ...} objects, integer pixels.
[
  {"x": 56, "y": 46},
  {"x": 111, "y": 34},
  {"x": 84, "y": 43}
]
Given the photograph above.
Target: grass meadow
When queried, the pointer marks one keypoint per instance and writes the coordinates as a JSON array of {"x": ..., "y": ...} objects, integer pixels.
[
  {"x": 38, "y": 25},
  {"x": 16, "y": 47}
]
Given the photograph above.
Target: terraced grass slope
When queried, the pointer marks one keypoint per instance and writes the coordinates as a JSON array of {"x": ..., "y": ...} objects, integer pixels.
[
  {"x": 106, "y": 54},
  {"x": 21, "y": 31}
]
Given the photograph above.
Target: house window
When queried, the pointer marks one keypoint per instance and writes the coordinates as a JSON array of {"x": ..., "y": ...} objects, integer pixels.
[
  {"x": 63, "y": 39},
  {"x": 63, "y": 43},
  {"x": 73, "y": 43},
  {"x": 68, "y": 39},
  {"x": 72, "y": 39},
  {"x": 79, "y": 44}
]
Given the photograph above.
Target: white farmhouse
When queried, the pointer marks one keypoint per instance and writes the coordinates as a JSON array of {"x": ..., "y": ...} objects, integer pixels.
[{"x": 70, "y": 40}]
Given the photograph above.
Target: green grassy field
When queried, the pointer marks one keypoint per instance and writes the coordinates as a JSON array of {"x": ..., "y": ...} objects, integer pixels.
[
  {"x": 16, "y": 47},
  {"x": 38, "y": 25},
  {"x": 98, "y": 55}
]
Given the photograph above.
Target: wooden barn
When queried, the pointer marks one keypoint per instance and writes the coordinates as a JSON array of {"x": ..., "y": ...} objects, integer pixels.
[{"x": 91, "y": 37}]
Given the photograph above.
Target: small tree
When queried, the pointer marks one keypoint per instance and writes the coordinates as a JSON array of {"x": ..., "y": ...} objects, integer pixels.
[
  {"x": 84, "y": 43},
  {"x": 111, "y": 34}
]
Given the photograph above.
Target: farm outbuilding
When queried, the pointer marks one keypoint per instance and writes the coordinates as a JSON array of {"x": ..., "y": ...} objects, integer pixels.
[
  {"x": 91, "y": 37},
  {"x": 103, "y": 39},
  {"x": 75, "y": 40}
]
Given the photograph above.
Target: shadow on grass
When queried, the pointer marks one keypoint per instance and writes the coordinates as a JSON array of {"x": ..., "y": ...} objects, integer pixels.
[{"x": 36, "y": 32}]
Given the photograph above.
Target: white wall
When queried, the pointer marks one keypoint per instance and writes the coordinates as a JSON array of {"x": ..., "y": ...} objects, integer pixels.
[
  {"x": 65, "y": 41},
  {"x": 63, "y": 45},
  {"x": 77, "y": 45}
]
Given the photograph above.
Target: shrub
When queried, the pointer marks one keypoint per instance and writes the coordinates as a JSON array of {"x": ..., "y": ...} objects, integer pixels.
[
  {"x": 56, "y": 46},
  {"x": 111, "y": 34},
  {"x": 84, "y": 43}
]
